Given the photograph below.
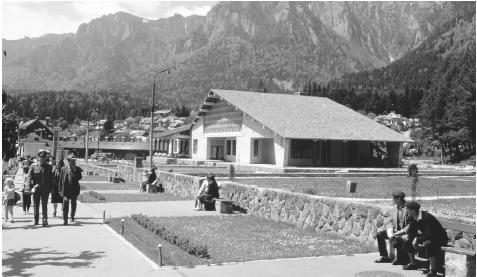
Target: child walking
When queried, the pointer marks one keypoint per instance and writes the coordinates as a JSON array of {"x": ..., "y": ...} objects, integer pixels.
[{"x": 9, "y": 199}]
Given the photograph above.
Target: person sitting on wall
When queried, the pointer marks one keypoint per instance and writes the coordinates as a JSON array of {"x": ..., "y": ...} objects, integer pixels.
[
  {"x": 212, "y": 191},
  {"x": 432, "y": 238},
  {"x": 394, "y": 234},
  {"x": 208, "y": 191}
]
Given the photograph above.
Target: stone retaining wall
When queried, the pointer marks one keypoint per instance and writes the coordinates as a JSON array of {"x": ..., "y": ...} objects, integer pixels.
[{"x": 357, "y": 220}]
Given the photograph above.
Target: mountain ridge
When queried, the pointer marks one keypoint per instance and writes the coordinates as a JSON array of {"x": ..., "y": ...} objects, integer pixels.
[{"x": 238, "y": 45}]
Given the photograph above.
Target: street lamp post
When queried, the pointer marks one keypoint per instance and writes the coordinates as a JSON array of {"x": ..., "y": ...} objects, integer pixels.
[
  {"x": 87, "y": 136},
  {"x": 151, "y": 136}
]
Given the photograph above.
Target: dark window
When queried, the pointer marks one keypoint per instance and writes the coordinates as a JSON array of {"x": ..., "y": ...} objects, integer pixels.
[
  {"x": 228, "y": 150},
  {"x": 234, "y": 145},
  {"x": 255, "y": 147},
  {"x": 301, "y": 149},
  {"x": 195, "y": 146}
]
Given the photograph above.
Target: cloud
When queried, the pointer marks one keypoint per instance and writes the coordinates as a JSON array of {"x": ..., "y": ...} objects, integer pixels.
[{"x": 33, "y": 19}]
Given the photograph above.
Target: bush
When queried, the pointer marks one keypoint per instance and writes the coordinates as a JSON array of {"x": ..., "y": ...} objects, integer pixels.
[{"x": 181, "y": 242}]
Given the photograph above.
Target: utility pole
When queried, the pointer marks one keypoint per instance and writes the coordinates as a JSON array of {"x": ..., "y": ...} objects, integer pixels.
[{"x": 151, "y": 136}]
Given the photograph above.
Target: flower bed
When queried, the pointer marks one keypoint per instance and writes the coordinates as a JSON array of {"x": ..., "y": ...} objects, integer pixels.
[
  {"x": 174, "y": 238},
  {"x": 146, "y": 242},
  {"x": 244, "y": 238},
  {"x": 92, "y": 197}
]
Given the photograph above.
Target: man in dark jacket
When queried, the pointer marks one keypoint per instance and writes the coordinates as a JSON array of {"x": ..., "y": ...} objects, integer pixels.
[
  {"x": 69, "y": 187},
  {"x": 40, "y": 178},
  {"x": 432, "y": 237}
]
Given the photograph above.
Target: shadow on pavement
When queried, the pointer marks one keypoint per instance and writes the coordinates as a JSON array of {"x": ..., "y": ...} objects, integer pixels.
[{"x": 19, "y": 261}]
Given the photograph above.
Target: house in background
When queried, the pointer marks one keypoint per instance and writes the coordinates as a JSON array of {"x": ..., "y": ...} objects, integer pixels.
[
  {"x": 40, "y": 127},
  {"x": 290, "y": 130}
]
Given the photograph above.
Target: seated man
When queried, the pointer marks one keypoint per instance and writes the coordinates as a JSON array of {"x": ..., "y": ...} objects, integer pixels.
[
  {"x": 399, "y": 218},
  {"x": 432, "y": 238}
]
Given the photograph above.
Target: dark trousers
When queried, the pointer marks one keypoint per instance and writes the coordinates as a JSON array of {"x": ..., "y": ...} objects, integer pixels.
[
  {"x": 66, "y": 205},
  {"x": 396, "y": 242},
  {"x": 26, "y": 202},
  {"x": 44, "y": 206}
]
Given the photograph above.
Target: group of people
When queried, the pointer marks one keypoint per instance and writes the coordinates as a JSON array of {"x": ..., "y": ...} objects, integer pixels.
[
  {"x": 42, "y": 179},
  {"x": 413, "y": 230},
  {"x": 209, "y": 190}
]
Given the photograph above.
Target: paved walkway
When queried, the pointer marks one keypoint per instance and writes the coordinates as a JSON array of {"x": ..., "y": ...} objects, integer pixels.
[{"x": 151, "y": 208}]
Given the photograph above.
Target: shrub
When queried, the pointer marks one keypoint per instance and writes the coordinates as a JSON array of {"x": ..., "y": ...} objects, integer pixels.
[{"x": 181, "y": 242}]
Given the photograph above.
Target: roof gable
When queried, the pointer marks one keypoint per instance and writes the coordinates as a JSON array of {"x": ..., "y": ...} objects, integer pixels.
[{"x": 307, "y": 117}]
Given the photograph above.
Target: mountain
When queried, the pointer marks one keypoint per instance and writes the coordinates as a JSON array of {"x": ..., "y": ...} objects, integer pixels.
[
  {"x": 274, "y": 46},
  {"x": 448, "y": 53}
]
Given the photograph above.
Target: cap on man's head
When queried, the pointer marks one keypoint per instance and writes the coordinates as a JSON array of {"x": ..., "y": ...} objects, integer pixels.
[
  {"x": 413, "y": 205},
  {"x": 211, "y": 176},
  {"x": 43, "y": 153},
  {"x": 399, "y": 194}
]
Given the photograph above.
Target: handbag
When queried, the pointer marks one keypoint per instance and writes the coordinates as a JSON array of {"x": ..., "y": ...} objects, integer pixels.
[{"x": 16, "y": 197}]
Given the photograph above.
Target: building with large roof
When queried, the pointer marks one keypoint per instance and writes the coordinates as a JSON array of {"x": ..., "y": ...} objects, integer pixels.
[{"x": 290, "y": 130}]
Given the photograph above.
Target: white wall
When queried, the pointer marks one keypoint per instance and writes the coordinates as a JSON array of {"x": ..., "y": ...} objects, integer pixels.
[
  {"x": 198, "y": 133},
  {"x": 244, "y": 146}
]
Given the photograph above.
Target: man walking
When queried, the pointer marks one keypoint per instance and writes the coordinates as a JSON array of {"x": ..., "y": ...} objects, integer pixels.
[
  {"x": 69, "y": 187},
  {"x": 432, "y": 238},
  {"x": 40, "y": 177},
  {"x": 400, "y": 221}
]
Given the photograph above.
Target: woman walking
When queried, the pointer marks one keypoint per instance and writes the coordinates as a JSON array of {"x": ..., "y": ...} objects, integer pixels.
[
  {"x": 55, "y": 193},
  {"x": 26, "y": 191}
]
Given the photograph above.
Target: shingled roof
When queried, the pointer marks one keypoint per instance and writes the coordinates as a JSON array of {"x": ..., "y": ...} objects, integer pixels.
[{"x": 307, "y": 117}]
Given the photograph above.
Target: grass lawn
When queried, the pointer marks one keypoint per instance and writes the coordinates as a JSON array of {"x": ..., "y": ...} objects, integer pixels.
[
  {"x": 368, "y": 187},
  {"x": 245, "y": 238},
  {"x": 464, "y": 207},
  {"x": 147, "y": 241},
  {"x": 129, "y": 197}
]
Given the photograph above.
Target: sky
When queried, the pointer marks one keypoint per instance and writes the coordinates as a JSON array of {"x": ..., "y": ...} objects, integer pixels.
[{"x": 36, "y": 18}]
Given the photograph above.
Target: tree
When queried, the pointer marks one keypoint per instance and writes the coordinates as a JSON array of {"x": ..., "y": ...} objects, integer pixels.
[{"x": 10, "y": 122}]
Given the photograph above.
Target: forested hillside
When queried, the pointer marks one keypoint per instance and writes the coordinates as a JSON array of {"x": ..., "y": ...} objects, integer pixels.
[{"x": 435, "y": 82}]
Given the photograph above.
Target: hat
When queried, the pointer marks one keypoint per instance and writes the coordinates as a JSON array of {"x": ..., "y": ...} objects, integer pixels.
[
  {"x": 43, "y": 153},
  {"x": 211, "y": 176},
  {"x": 413, "y": 205},
  {"x": 399, "y": 194}
]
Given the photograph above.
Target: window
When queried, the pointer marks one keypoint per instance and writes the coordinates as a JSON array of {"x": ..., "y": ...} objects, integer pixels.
[
  {"x": 194, "y": 147},
  {"x": 228, "y": 150},
  {"x": 255, "y": 147},
  {"x": 234, "y": 146},
  {"x": 301, "y": 149}
]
